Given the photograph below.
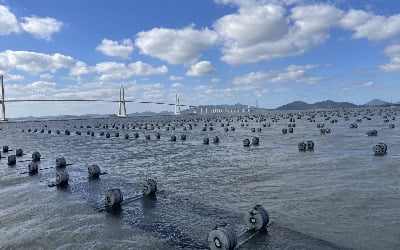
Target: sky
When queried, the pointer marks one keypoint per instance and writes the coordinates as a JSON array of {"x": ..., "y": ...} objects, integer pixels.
[{"x": 207, "y": 51}]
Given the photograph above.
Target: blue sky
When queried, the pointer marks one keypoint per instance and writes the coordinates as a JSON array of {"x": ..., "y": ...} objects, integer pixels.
[{"x": 208, "y": 51}]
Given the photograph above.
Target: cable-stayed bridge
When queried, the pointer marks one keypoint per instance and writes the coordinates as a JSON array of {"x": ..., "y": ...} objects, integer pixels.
[{"x": 121, "y": 101}]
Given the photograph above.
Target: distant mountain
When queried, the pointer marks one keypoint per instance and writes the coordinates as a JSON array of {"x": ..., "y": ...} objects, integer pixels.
[
  {"x": 376, "y": 103},
  {"x": 299, "y": 105}
]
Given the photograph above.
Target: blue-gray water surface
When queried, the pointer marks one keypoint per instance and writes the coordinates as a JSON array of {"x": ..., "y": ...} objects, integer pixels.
[{"x": 338, "y": 196}]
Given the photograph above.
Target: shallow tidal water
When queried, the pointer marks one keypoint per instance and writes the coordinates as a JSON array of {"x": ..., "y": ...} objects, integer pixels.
[{"x": 338, "y": 196}]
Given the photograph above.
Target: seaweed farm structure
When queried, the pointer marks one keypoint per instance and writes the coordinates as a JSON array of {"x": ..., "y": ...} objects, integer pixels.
[{"x": 254, "y": 180}]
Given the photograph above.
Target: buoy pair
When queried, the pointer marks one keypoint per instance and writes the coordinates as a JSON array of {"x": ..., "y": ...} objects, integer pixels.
[{"x": 223, "y": 237}]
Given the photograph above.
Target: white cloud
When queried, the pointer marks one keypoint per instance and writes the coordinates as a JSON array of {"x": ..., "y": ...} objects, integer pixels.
[
  {"x": 366, "y": 84},
  {"x": 39, "y": 87},
  {"x": 175, "y": 78},
  {"x": 33, "y": 62},
  {"x": 41, "y": 28},
  {"x": 176, "y": 46},
  {"x": 370, "y": 26},
  {"x": 290, "y": 74},
  {"x": 214, "y": 80},
  {"x": 113, "y": 70},
  {"x": 46, "y": 76},
  {"x": 10, "y": 77},
  {"x": 260, "y": 39},
  {"x": 393, "y": 52},
  {"x": 114, "y": 48},
  {"x": 8, "y": 21},
  {"x": 80, "y": 68},
  {"x": 177, "y": 85},
  {"x": 254, "y": 24},
  {"x": 202, "y": 68}
]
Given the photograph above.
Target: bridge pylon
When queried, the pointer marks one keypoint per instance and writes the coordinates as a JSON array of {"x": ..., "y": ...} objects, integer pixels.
[
  {"x": 177, "y": 106},
  {"x": 122, "y": 107},
  {"x": 3, "y": 117}
]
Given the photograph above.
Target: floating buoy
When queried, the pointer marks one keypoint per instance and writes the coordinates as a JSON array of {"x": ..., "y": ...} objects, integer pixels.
[
  {"x": 101, "y": 133},
  {"x": 232, "y": 128},
  {"x": 12, "y": 160},
  {"x": 126, "y": 136},
  {"x": 353, "y": 125},
  {"x": 380, "y": 149},
  {"x": 62, "y": 178},
  {"x": 136, "y": 135},
  {"x": 158, "y": 135},
  {"x": 33, "y": 168},
  {"x": 183, "y": 137},
  {"x": 61, "y": 162},
  {"x": 149, "y": 187},
  {"x": 36, "y": 156},
  {"x": 391, "y": 125},
  {"x": 116, "y": 134},
  {"x": 78, "y": 133},
  {"x": 94, "y": 171},
  {"x": 253, "y": 130},
  {"x": 284, "y": 130},
  {"x": 206, "y": 140},
  {"x": 226, "y": 129},
  {"x": 222, "y": 237},
  {"x": 5, "y": 149},
  {"x": 58, "y": 132},
  {"x": 216, "y": 139},
  {"x": 49, "y": 131},
  {"x": 258, "y": 129},
  {"x": 372, "y": 133},
  {"x": 310, "y": 145},
  {"x": 147, "y": 137},
  {"x": 246, "y": 142},
  {"x": 113, "y": 197},
  {"x": 302, "y": 146},
  {"x": 256, "y": 218},
  {"x": 92, "y": 133},
  {"x": 173, "y": 138},
  {"x": 67, "y": 132},
  {"x": 19, "y": 152},
  {"x": 255, "y": 141},
  {"x": 107, "y": 135},
  {"x": 290, "y": 130}
]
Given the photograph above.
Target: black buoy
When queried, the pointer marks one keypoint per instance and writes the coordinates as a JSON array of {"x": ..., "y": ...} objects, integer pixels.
[
  {"x": 36, "y": 156},
  {"x": 149, "y": 187},
  {"x": 255, "y": 141},
  {"x": 94, "y": 171},
  {"x": 206, "y": 140},
  {"x": 113, "y": 197},
  {"x": 33, "y": 168},
  {"x": 246, "y": 142},
  {"x": 256, "y": 218},
  {"x": 222, "y": 237},
  {"x": 61, "y": 162},
  {"x": 62, "y": 178},
  {"x": 12, "y": 160},
  {"x": 302, "y": 146},
  {"x": 216, "y": 139},
  {"x": 19, "y": 152}
]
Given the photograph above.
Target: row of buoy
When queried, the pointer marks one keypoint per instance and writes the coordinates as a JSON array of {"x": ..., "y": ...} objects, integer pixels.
[
  {"x": 307, "y": 145},
  {"x": 223, "y": 237},
  {"x": 325, "y": 131},
  {"x": 255, "y": 141},
  {"x": 373, "y": 132},
  {"x": 380, "y": 149},
  {"x": 114, "y": 197}
]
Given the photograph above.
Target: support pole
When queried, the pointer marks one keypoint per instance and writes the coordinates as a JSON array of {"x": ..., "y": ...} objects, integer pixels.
[{"x": 2, "y": 99}]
